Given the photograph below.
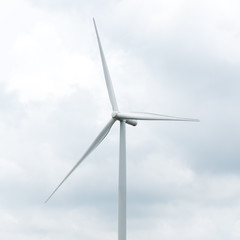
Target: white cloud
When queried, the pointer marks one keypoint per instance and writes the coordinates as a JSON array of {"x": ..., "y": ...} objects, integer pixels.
[{"x": 176, "y": 57}]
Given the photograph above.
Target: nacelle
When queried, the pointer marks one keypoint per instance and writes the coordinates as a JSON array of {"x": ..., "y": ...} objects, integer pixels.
[{"x": 131, "y": 122}]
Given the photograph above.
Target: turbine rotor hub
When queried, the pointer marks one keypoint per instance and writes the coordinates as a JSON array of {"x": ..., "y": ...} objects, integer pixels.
[
  {"x": 128, "y": 121},
  {"x": 114, "y": 114}
]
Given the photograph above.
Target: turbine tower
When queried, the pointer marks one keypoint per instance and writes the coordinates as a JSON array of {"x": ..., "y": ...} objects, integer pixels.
[{"x": 124, "y": 118}]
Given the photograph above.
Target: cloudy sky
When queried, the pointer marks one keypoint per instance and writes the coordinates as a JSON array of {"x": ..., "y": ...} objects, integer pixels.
[{"x": 179, "y": 58}]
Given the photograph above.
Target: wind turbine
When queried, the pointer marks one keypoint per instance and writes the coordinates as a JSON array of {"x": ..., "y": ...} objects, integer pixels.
[{"x": 123, "y": 117}]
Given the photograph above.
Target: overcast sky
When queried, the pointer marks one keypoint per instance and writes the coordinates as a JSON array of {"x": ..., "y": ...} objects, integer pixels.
[{"x": 171, "y": 57}]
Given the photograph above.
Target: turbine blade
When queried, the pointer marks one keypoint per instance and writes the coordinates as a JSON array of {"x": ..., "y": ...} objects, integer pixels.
[
  {"x": 151, "y": 116},
  {"x": 95, "y": 143},
  {"x": 111, "y": 93}
]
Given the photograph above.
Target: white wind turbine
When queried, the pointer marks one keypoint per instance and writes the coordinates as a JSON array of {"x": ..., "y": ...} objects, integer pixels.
[{"x": 123, "y": 117}]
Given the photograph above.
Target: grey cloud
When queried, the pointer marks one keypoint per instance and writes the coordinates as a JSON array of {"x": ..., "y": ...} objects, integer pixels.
[{"x": 180, "y": 174}]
